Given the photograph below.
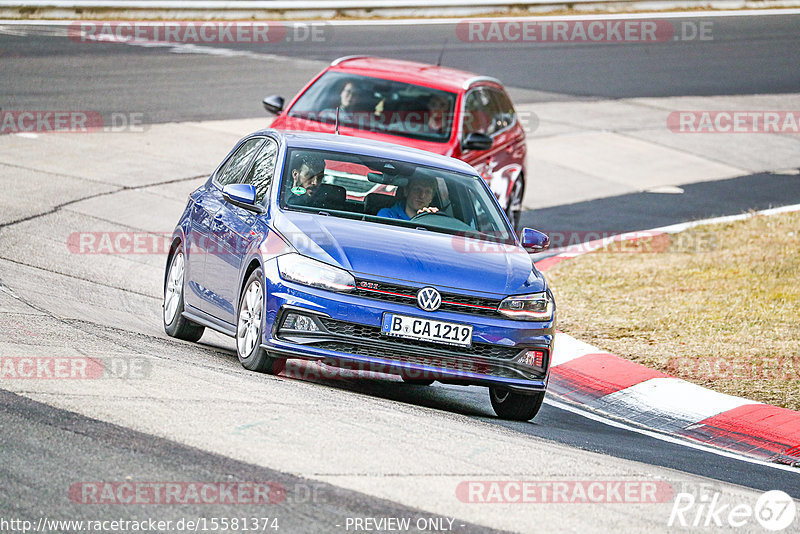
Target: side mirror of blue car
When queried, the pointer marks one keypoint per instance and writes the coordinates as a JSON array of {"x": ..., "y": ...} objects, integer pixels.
[
  {"x": 534, "y": 240},
  {"x": 242, "y": 195}
]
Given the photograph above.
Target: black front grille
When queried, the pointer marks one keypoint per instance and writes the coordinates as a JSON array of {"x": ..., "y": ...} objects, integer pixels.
[
  {"x": 482, "y": 350},
  {"x": 367, "y": 341},
  {"x": 408, "y": 295}
]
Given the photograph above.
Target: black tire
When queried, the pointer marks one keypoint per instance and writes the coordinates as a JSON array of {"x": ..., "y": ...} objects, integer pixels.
[
  {"x": 515, "y": 406},
  {"x": 256, "y": 358},
  {"x": 178, "y": 326},
  {"x": 514, "y": 215}
]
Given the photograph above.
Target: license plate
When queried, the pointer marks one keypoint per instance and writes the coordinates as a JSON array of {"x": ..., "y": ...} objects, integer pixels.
[{"x": 426, "y": 330}]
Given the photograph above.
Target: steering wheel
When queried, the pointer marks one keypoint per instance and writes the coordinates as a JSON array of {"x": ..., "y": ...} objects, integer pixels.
[
  {"x": 445, "y": 222},
  {"x": 425, "y": 213}
]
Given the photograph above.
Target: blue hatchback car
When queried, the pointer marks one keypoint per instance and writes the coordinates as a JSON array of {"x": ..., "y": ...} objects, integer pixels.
[{"x": 363, "y": 255}]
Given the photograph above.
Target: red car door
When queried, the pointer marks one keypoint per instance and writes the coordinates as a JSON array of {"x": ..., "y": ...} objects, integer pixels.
[{"x": 487, "y": 109}]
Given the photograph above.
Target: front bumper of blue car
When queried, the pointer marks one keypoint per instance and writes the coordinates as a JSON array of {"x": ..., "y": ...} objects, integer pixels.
[{"x": 344, "y": 329}]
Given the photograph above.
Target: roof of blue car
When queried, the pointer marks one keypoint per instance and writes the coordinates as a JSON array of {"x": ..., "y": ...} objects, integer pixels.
[{"x": 358, "y": 145}]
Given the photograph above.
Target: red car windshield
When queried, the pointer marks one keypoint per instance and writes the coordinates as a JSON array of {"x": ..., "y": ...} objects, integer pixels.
[{"x": 378, "y": 105}]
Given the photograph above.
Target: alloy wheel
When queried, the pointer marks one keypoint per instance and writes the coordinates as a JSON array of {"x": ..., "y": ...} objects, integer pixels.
[{"x": 249, "y": 328}]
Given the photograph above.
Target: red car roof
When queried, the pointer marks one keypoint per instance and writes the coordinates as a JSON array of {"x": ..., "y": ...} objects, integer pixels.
[{"x": 408, "y": 71}]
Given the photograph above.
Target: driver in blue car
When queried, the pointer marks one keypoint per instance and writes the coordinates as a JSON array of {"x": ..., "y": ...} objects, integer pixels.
[
  {"x": 419, "y": 195},
  {"x": 307, "y": 173}
]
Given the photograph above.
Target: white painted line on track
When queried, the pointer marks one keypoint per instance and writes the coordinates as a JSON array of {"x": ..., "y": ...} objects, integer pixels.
[
  {"x": 573, "y": 251},
  {"x": 680, "y": 227},
  {"x": 666, "y": 190},
  {"x": 543, "y": 18},
  {"x": 663, "y": 437}
]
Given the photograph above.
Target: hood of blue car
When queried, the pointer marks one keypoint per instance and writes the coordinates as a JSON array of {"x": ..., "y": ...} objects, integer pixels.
[{"x": 382, "y": 251}]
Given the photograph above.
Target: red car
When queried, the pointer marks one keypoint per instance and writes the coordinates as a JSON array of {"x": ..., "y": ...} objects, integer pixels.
[{"x": 433, "y": 108}]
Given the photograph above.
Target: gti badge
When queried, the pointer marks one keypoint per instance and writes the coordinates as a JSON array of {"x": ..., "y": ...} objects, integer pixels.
[{"x": 429, "y": 299}]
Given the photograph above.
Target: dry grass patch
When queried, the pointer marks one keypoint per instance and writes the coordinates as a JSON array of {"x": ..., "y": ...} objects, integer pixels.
[{"x": 719, "y": 306}]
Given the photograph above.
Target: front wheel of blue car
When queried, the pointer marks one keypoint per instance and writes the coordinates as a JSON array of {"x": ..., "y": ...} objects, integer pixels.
[
  {"x": 249, "y": 328},
  {"x": 175, "y": 324},
  {"x": 515, "y": 406}
]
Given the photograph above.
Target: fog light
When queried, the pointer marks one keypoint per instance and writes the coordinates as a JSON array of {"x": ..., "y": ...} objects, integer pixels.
[
  {"x": 295, "y": 321},
  {"x": 533, "y": 358}
]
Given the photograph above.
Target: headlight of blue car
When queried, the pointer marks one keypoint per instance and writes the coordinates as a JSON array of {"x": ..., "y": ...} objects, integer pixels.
[
  {"x": 534, "y": 307},
  {"x": 302, "y": 270}
]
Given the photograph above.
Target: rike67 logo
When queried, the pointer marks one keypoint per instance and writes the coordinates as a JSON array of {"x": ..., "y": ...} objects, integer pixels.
[{"x": 774, "y": 511}]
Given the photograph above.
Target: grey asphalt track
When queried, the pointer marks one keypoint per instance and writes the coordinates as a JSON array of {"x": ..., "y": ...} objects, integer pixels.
[{"x": 46, "y": 450}]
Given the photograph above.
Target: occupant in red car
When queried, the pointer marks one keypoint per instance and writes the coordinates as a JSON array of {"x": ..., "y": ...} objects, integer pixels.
[
  {"x": 350, "y": 103},
  {"x": 437, "y": 114},
  {"x": 419, "y": 195},
  {"x": 349, "y": 97}
]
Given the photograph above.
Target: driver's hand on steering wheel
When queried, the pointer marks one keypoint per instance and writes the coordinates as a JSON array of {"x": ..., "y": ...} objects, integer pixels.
[{"x": 429, "y": 209}]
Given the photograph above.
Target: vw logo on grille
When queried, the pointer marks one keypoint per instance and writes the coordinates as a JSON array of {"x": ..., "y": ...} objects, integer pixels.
[{"x": 429, "y": 299}]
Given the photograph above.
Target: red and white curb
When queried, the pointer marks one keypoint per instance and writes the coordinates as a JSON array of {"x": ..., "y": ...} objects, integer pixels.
[{"x": 621, "y": 389}]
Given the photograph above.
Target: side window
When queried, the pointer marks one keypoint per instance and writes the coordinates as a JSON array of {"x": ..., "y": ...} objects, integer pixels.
[
  {"x": 263, "y": 169},
  {"x": 481, "y": 221},
  {"x": 479, "y": 112},
  {"x": 502, "y": 111},
  {"x": 237, "y": 164}
]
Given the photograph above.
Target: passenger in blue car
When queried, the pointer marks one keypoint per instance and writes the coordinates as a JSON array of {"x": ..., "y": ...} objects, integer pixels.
[{"x": 419, "y": 195}]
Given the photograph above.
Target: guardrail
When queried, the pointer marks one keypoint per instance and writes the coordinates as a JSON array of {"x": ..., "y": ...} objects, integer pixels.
[{"x": 289, "y": 9}]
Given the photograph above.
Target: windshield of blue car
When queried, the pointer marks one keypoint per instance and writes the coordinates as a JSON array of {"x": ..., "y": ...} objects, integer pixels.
[
  {"x": 392, "y": 192},
  {"x": 374, "y": 104}
]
